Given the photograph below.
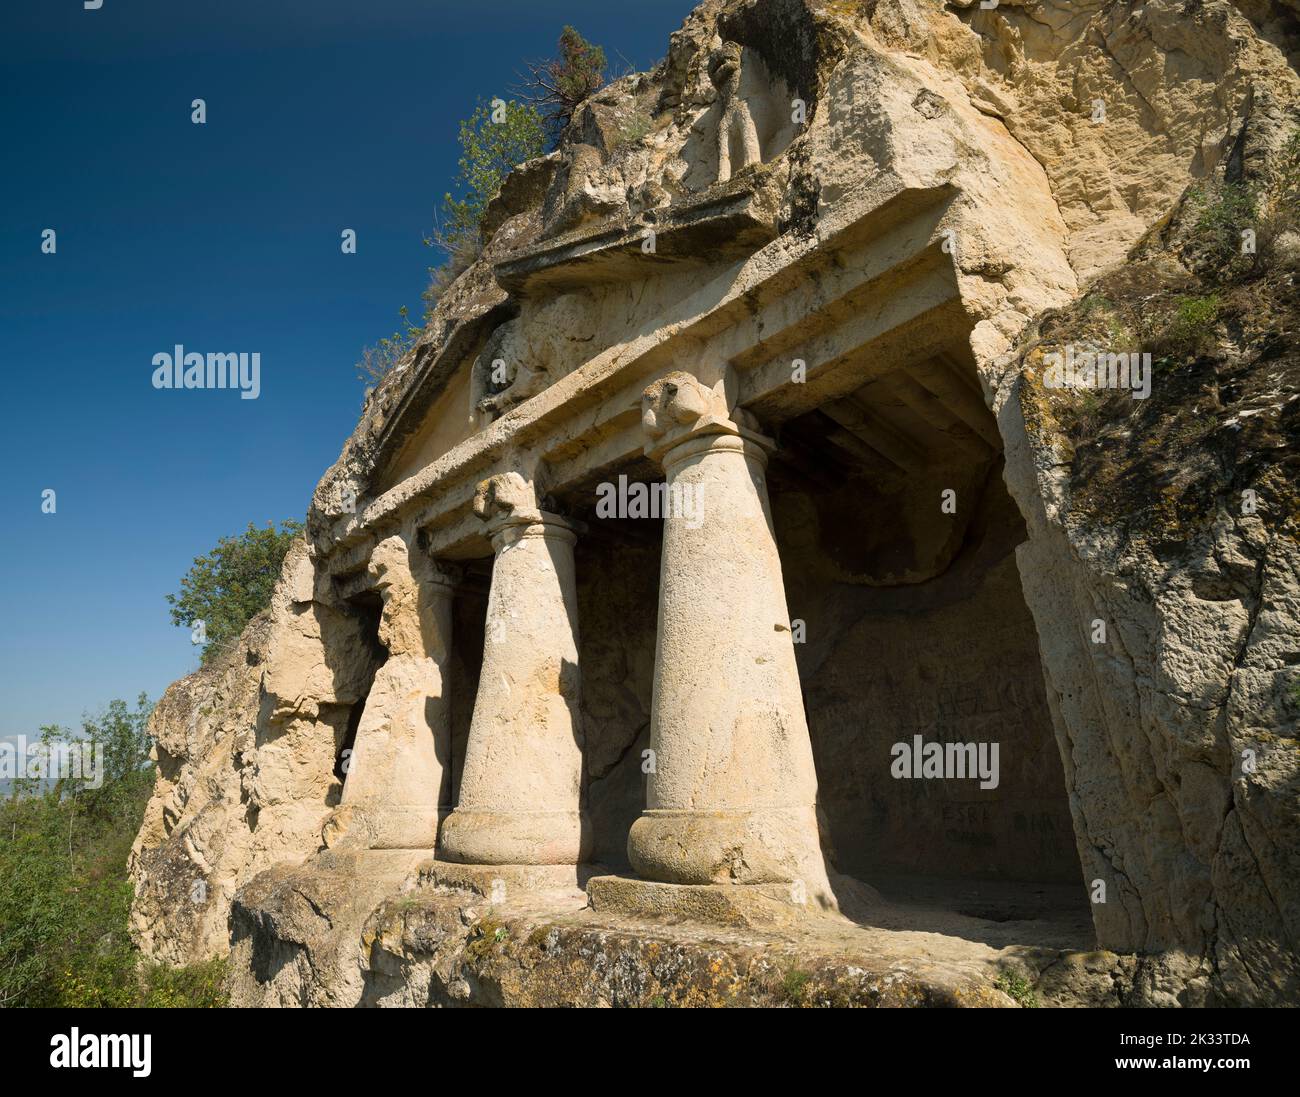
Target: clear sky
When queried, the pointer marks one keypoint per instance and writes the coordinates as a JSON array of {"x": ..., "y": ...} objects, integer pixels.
[{"x": 321, "y": 115}]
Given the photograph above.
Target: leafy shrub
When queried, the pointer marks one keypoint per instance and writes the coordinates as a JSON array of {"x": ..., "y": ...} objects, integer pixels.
[
  {"x": 1016, "y": 987},
  {"x": 1192, "y": 324},
  {"x": 492, "y": 143},
  {"x": 226, "y": 588},
  {"x": 378, "y": 360},
  {"x": 1225, "y": 211},
  {"x": 489, "y": 151},
  {"x": 65, "y": 896},
  {"x": 557, "y": 86}
]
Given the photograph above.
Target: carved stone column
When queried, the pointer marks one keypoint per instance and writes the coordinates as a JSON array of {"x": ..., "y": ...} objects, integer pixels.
[
  {"x": 521, "y": 791},
  {"x": 398, "y": 779},
  {"x": 732, "y": 797}
]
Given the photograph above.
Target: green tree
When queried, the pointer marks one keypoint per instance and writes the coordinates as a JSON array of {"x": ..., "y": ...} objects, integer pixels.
[
  {"x": 493, "y": 140},
  {"x": 556, "y": 86},
  {"x": 226, "y": 588},
  {"x": 65, "y": 896}
]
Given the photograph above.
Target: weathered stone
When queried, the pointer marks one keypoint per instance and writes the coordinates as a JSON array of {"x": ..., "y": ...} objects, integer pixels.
[
  {"x": 810, "y": 265},
  {"x": 521, "y": 790},
  {"x": 248, "y": 750},
  {"x": 302, "y": 938},
  {"x": 720, "y": 904},
  {"x": 732, "y": 794},
  {"x": 398, "y": 783}
]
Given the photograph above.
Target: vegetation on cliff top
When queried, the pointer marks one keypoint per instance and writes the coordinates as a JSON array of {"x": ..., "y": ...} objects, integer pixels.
[
  {"x": 556, "y": 87},
  {"x": 494, "y": 139},
  {"x": 225, "y": 588}
]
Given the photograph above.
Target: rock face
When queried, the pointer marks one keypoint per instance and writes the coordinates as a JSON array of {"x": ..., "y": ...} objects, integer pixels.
[
  {"x": 1173, "y": 522},
  {"x": 248, "y": 753},
  {"x": 347, "y": 931},
  {"x": 730, "y": 538}
]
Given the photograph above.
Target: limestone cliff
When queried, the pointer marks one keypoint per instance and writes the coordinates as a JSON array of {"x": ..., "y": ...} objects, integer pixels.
[
  {"x": 248, "y": 765},
  {"x": 1174, "y": 522},
  {"x": 1052, "y": 162}
]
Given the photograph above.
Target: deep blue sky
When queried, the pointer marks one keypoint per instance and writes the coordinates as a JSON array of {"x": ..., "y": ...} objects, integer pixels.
[{"x": 322, "y": 115}]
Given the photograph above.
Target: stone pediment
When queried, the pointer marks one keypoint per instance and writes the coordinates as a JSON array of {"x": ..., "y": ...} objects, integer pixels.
[{"x": 729, "y": 221}]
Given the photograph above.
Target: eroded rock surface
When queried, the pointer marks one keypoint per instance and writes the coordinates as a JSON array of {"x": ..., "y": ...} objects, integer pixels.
[
  {"x": 248, "y": 752},
  {"x": 859, "y": 227},
  {"x": 1172, "y": 521},
  {"x": 387, "y": 933}
]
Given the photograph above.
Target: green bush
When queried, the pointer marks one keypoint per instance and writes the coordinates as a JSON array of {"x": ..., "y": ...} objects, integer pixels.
[
  {"x": 65, "y": 896},
  {"x": 233, "y": 583},
  {"x": 1224, "y": 212},
  {"x": 1193, "y": 322},
  {"x": 489, "y": 150},
  {"x": 197, "y": 986},
  {"x": 1015, "y": 986},
  {"x": 492, "y": 143},
  {"x": 1267, "y": 206}
]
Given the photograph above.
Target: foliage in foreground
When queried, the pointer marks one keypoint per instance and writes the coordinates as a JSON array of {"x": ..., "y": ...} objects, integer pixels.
[{"x": 64, "y": 893}]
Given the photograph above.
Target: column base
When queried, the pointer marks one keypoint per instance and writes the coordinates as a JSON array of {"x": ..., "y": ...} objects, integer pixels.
[
  {"x": 498, "y": 883},
  {"x": 778, "y": 845},
  {"x": 355, "y": 826},
  {"x": 515, "y": 837}
]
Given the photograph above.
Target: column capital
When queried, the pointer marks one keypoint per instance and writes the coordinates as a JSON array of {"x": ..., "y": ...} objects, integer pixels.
[
  {"x": 396, "y": 561},
  {"x": 679, "y": 408},
  {"x": 507, "y": 495},
  {"x": 507, "y": 505}
]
